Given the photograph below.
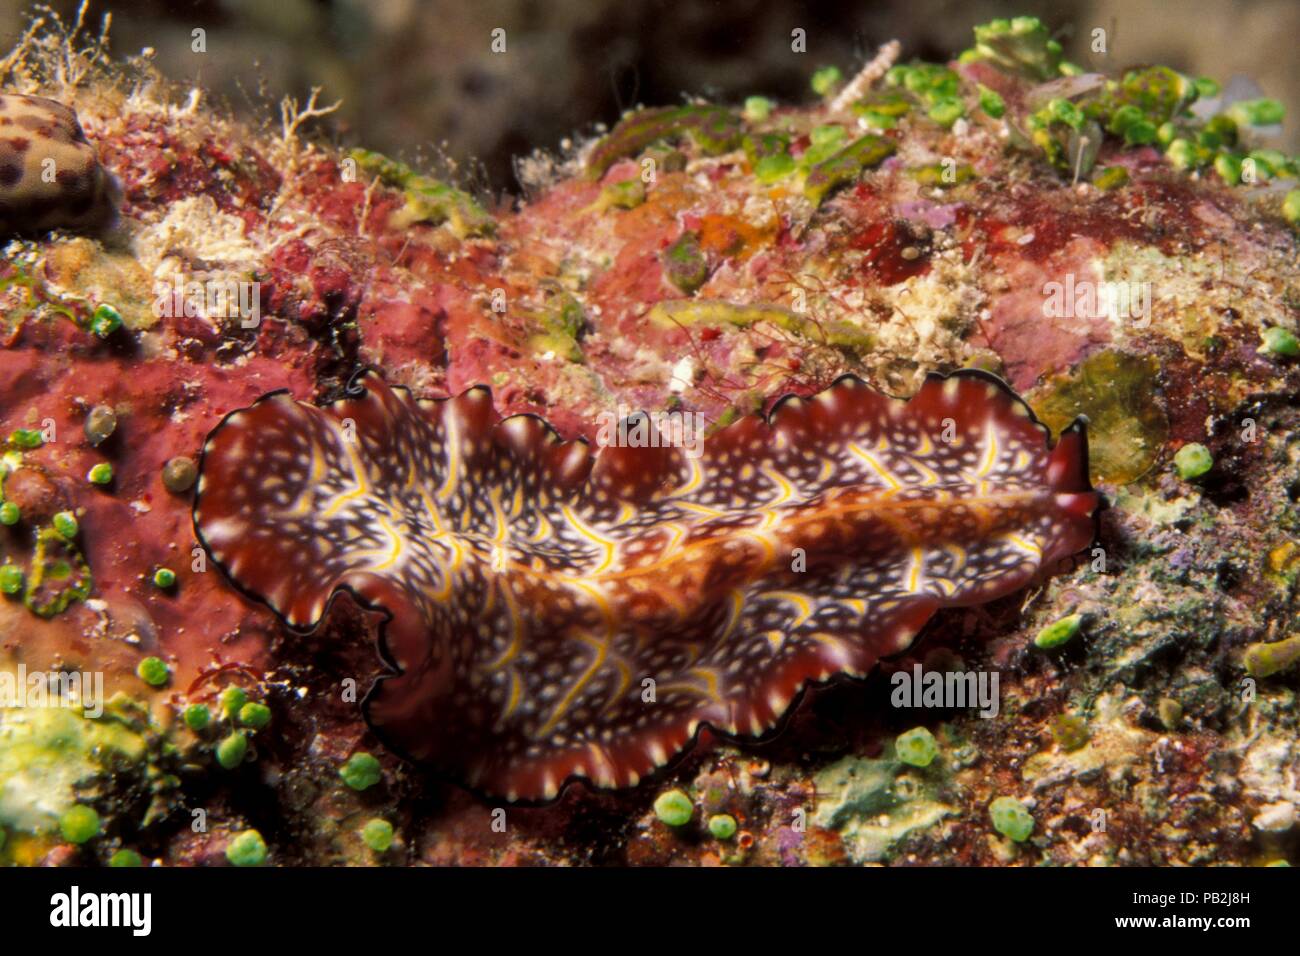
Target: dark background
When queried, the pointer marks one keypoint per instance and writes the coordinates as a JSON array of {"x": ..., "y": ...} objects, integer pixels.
[{"x": 419, "y": 75}]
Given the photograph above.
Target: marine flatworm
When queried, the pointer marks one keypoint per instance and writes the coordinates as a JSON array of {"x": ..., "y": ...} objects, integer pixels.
[{"x": 554, "y": 615}]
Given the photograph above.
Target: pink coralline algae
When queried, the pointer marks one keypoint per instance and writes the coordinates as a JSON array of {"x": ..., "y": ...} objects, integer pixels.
[{"x": 551, "y": 615}]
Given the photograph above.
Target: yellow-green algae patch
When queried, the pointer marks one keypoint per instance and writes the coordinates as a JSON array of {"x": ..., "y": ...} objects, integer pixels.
[
  {"x": 1267, "y": 659},
  {"x": 560, "y": 324},
  {"x": 1127, "y": 425},
  {"x": 712, "y": 129},
  {"x": 1155, "y": 508},
  {"x": 690, "y": 312},
  {"x": 58, "y": 575},
  {"x": 46, "y": 755},
  {"x": 876, "y": 803},
  {"x": 428, "y": 200},
  {"x": 846, "y": 166}
]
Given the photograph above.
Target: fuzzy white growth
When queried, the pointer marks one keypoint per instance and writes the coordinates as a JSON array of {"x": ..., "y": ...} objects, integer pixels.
[{"x": 857, "y": 87}]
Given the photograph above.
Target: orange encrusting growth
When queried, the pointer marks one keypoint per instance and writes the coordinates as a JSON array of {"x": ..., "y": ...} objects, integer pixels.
[{"x": 554, "y": 616}]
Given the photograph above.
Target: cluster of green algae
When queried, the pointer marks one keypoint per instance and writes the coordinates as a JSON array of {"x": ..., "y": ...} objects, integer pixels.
[
  {"x": 58, "y": 763},
  {"x": 829, "y": 162},
  {"x": 56, "y": 573},
  {"x": 1149, "y": 106},
  {"x": 1064, "y": 126}
]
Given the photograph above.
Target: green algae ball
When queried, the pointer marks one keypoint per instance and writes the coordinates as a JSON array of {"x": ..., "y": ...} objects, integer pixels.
[
  {"x": 246, "y": 849},
  {"x": 125, "y": 858},
  {"x": 916, "y": 747},
  {"x": 627, "y": 194},
  {"x": 153, "y": 671},
  {"x": 722, "y": 826},
  {"x": 1140, "y": 133},
  {"x": 684, "y": 263},
  {"x": 1059, "y": 632},
  {"x": 1112, "y": 177},
  {"x": 1063, "y": 111},
  {"x": 1192, "y": 461},
  {"x": 825, "y": 80},
  {"x": 1170, "y": 713},
  {"x": 1181, "y": 153},
  {"x": 946, "y": 111},
  {"x": 361, "y": 771},
  {"x": 10, "y": 513},
  {"x": 1260, "y": 112},
  {"x": 1280, "y": 341},
  {"x": 232, "y": 750},
  {"x": 11, "y": 579},
  {"x": 233, "y": 700},
  {"x": 991, "y": 102},
  {"x": 757, "y": 108},
  {"x": 1011, "y": 819},
  {"x": 828, "y": 134},
  {"x": 105, "y": 321},
  {"x": 65, "y": 523},
  {"x": 164, "y": 578},
  {"x": 1291, "y": 207},
  {"x": 674, "y": 808},
  {"x": 1267, "y": 659},
  {"x": 771, "y": 168},
  {"x": 1070, "y": 731},
  {"x": 197, "y": 717},
  {"x": 101, "y": 474},
  {"x": 79, "y": 824},
  {"x": 377, "y": 834},
  {"x": 1228, "y": 167},
  {"x": 255, "y": 715},
  {"x": 27, "y": 438}
]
